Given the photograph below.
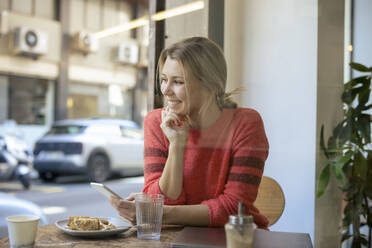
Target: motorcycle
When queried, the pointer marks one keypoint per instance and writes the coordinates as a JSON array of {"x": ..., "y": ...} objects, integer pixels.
[{"x": 15, "y": 160}]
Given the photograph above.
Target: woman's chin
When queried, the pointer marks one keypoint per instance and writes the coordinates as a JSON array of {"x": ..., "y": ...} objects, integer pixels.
[{"x": 177, "y": 111}]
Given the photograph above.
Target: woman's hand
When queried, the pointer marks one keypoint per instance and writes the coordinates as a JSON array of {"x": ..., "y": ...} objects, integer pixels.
[
  {"x": 125, "y": 207},
  {"x": 175, "y": 127}
]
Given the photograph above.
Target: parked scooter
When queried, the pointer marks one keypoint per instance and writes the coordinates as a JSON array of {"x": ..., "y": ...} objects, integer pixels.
[{"x": 15, "y": 160}]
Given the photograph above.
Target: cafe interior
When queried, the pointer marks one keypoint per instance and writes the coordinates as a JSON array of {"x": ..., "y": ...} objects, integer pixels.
[{"x": 291, "y": 57}]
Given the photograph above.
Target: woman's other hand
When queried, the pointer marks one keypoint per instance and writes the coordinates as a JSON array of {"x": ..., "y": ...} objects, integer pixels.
[
  {"x": 175, "y": 127},
  {"x": 125, "y": 207}
]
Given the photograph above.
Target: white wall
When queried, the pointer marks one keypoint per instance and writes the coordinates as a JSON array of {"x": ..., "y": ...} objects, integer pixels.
[
  {"x": 362, "y": 39},
  {"x": 362, "y": 32},
  {"x": 271, "y": 47}
]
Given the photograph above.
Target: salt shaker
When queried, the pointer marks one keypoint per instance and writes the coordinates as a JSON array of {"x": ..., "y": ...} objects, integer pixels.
[{"x": 240, "y": 229}]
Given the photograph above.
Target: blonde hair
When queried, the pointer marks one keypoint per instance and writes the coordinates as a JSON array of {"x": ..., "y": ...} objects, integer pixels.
[{"x": 203, "y": 60}]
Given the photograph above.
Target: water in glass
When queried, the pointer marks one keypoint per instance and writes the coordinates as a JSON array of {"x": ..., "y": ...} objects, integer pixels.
[{"x": 149, "y": 213}]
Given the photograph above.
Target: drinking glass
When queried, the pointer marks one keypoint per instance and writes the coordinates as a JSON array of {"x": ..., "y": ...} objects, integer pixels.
[{"x": 149, "y": 213}]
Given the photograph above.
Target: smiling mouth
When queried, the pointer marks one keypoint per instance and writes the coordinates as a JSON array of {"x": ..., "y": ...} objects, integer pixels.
[{"x": 173, "y": 103}]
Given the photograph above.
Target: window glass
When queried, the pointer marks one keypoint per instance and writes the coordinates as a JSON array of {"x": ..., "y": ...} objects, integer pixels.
[
  {"x": 90, "y": 100},
  {"x": 28, "y": 100},
  {"x": 110, "y": 71},
  {"x": 68, "y": 129}
]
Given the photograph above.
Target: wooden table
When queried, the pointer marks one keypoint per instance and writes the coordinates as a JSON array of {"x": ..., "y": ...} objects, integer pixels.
[{"x": 49, "y": 236}]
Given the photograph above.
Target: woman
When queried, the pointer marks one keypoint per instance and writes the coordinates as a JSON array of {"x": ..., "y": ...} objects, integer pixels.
[{"x": 201, "y": 152}]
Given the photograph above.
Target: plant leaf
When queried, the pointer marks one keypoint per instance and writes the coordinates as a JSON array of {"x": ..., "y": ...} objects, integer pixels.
[
  {"x": 364, "y": 127},
  {"x": 361, "y": 165},
  {"x": 346, "y": 134},
  {"x": 343, "y": 159},
  {"x": 369, "y": 217},
  {"x": 368, "y": 188},
  {"x": 322, "y": 146},
  {"x": 355, "y": 81},
  {"x": 348, "y": 96},
  {"x": 331, "y": 144},
  {"x": 339, "y": 174},
  {"x": 347, "y": 219},
  {"x": 367, "y": 107},
  {"x": 363, "y": 97},
  {"x": 338, "y": 166},
  {"x": 363, "y": 240},
  {"x": 359, "y": 67},
  {"x": 338, "y": 129},
  {"x": 346, "y": 236},
  {"x": 356, "y": 243},
  {"x": 323, "y": 180}
]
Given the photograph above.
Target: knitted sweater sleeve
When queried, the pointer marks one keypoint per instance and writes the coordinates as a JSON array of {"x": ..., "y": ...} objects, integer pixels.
[
  {"x": 155, "y": 157},
  {"x": 249, "y": 152}
]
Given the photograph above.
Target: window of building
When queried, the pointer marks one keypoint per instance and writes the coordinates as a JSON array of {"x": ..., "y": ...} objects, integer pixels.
[{"x": 28, "y": 100}]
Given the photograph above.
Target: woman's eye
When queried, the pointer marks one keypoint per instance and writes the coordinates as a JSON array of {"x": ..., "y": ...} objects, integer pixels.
[
  {"x": 163, "y": 80},
  {"x": 178, "y": 82}
]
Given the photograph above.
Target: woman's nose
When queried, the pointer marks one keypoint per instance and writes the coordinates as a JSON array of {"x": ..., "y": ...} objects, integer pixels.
[{"x": 166, "y": 89}]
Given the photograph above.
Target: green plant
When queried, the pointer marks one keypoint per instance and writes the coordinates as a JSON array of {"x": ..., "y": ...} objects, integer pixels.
[{"x": 349, "y": 156}]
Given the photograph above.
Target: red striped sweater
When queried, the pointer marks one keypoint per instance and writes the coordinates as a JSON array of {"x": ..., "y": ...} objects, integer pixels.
[{"x": 222, "y": 164}]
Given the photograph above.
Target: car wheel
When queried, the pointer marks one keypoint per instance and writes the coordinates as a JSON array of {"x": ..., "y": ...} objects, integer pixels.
[
  {"x": 98, "y": 168},
  {"x": 47, "y": 176}
]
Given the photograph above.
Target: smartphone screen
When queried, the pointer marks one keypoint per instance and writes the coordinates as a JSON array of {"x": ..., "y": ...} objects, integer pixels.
[{"x": 103, "y": 189}]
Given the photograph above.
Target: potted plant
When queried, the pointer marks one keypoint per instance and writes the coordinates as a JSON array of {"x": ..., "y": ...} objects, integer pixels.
[{"x": 349, "y": 156}]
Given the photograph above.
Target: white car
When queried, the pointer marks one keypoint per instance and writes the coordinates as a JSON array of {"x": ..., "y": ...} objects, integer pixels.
[{"x": 97, "y": 147}]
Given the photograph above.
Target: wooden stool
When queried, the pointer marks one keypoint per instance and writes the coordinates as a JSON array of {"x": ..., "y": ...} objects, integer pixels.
[{"x": 270, "y": 199}]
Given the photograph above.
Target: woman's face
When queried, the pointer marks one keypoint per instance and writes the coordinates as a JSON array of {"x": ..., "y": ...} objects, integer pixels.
[{"x": 174, "y": 89}]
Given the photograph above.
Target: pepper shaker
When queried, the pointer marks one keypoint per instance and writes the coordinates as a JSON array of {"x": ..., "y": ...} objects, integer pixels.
[{"x": 240, "y": 229}]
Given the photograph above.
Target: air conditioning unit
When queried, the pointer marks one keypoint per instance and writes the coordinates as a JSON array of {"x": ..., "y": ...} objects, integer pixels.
[
  {"x": 127, "y": 53},
  {"x": 29, "y": 41},
  {"x": 85, "y": 42}
]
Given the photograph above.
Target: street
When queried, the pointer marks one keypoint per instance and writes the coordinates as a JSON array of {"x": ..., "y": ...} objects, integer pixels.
[{"x": 72, "y": 196}]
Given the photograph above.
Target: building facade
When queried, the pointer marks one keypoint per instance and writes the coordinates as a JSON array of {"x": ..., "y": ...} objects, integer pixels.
[{"x": 57, "y": 76}]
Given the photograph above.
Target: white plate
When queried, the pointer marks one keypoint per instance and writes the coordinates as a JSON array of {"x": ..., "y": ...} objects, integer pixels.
[{"x": 119, "y": 223}]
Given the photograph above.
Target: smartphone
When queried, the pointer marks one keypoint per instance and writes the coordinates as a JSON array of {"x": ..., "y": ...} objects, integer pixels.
[{"x": 103, "y": 189}]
